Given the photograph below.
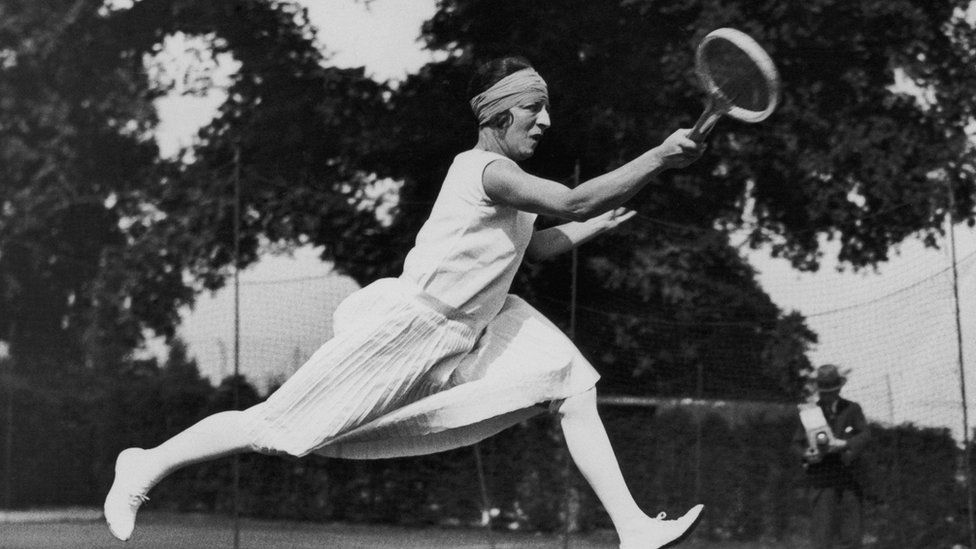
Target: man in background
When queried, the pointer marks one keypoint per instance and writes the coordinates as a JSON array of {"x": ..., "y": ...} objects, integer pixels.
[{"x": 834, "y": 470}]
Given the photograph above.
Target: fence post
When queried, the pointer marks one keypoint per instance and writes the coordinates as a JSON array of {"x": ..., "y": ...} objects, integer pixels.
[
  {"x": 967, "y": 448},
  {"x": 8, "y": 445},
  {"x": 699, "y": 413},
  {"x": 485, "y": 499},
  {"x": 571, "y": 511},
  {"x": 236, "y": 463}
]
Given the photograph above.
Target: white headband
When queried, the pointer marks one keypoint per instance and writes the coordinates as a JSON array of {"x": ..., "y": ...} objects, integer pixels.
[{"x": 518, "y": 88}]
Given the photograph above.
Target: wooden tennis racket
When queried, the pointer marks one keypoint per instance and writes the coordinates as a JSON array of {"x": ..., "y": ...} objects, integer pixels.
[{"x": 739, "y": 77}]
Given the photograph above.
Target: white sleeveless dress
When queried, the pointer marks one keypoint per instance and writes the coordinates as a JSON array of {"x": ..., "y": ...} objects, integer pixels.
[{"x": 438, "y": 358}]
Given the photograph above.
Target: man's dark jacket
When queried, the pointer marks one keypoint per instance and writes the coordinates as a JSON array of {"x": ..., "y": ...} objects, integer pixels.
[{"x": 842, "y": 468}]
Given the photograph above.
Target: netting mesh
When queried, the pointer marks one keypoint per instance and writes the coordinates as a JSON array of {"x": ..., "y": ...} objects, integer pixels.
[
  {"x": 894, "y": 329},
  {"x": 286, "y": 306},
  {"x": 896, "y": 332}
]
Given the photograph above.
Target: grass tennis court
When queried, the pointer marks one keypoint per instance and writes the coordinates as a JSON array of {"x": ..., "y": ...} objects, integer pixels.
[{"x": 189, "y": 531}]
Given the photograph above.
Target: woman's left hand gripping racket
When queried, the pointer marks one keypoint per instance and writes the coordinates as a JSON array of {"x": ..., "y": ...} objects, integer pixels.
[{"x": 739, "y": 77}]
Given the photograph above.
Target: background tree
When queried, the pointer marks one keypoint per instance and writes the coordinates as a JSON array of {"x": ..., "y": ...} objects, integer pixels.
[
  {"x": 291, "y": 130},
  {"x": 97, "y": 233},
  {"x": 74, "y": 139},
  {"x": 100, "y": 238},
  {"x": 845, "y": 156},
  {"x": 848, "y": 157}
]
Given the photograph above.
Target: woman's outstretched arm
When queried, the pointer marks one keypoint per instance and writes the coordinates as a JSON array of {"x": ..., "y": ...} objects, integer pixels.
[
  {"x": 507, "y": 183},
  {"x": 562, "y": 238}
]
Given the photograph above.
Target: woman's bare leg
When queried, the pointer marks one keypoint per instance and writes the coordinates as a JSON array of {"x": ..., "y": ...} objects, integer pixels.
[
  {"x": 138, "y": 470},
  {"x": 590, "y": 449}
]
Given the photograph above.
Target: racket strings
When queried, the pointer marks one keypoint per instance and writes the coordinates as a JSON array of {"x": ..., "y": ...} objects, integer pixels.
[
  {"x": 741, "y": 85},
  {"x": 739, "y": 75}
]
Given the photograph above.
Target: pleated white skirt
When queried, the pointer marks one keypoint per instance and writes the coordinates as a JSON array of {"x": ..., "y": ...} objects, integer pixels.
[{"x": 367, "y": 393}]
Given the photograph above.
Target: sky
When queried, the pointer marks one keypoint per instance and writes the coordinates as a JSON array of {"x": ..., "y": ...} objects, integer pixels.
[{"x": 893, "y": 329}]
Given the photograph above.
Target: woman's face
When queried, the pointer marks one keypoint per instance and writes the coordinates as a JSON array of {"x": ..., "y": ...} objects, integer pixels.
[{"x": 522, "y": 136}]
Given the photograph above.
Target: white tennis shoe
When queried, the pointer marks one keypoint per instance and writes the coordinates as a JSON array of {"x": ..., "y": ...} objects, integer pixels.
[
  {"x": 128, "y": 493},
  {"x": 659, "y": 533}
]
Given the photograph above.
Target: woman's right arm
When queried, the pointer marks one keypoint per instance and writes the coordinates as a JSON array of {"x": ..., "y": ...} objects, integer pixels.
[{"x": 506, "y": 183}]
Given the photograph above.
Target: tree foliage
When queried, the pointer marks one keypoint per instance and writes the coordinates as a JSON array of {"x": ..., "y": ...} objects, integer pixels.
[
  {"x": 848, "y": 157},
  {"x": 290, "y": 132},
  {"x": 75, "y": 122},
  {"x": 99, "y": 234}
]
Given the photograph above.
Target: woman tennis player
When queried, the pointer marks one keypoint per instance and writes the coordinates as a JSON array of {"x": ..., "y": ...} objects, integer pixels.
[{"x": 443, "y": 356}]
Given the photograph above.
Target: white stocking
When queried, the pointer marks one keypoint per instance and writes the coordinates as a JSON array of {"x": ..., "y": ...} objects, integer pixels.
[
  {"x": 590, "y": 449},
  {"x": 215, "y": 436}
]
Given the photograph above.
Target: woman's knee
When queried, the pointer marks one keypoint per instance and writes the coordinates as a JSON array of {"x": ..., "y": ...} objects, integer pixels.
[
  {"x": 264, "y": 436},
  {"x": 254, "y": 429},
  {"x": 580, "y": 403}
]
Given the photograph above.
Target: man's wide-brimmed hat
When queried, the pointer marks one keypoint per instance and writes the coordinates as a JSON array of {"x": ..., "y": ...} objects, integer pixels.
[{"x": 829, "y": 378}]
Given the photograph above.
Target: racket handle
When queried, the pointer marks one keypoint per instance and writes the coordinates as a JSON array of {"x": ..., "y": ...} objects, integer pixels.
[{"x": 705, "y": 123}]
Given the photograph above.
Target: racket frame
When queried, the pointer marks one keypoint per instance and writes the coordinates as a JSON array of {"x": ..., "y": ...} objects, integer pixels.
[{"x": 718, "y": 105}]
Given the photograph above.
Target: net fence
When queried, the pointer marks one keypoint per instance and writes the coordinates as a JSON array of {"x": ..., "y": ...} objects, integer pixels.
[
  {"x": 892, "y": 330},
  {"x": 895, "y": 330}
]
